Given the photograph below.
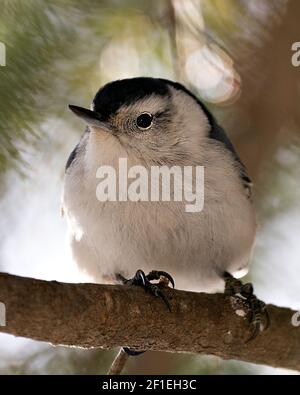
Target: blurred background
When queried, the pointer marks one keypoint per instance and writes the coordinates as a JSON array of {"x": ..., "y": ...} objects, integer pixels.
[{"x": 234, "y": 54}]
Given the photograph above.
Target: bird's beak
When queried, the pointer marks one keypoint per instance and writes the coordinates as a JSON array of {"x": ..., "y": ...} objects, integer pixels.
[{"x": 92, "y": 118}]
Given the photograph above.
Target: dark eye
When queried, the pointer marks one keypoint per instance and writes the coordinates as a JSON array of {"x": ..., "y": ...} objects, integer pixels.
[{"x": 144, "y": 121}]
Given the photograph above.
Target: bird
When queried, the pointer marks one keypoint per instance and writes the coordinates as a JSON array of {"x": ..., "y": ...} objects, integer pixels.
[{"x": 158, "y": 122}]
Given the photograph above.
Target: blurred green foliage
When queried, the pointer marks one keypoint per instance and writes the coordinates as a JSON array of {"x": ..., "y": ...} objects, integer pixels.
[{"x": 53, "y": 50}]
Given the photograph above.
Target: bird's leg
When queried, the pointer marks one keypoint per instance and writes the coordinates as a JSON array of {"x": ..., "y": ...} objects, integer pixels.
[
  {"x": 142, "y": 280},
  {"x": 259, "y": 317}
]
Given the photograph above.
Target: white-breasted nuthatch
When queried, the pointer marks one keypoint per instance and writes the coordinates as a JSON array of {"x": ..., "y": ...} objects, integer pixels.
[{"x": 151, "y": 122}]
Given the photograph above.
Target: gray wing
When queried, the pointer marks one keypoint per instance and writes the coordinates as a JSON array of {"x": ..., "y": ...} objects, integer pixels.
[
  {"x": 218, "y": 133},
  {"x": 81, "y": 145}
]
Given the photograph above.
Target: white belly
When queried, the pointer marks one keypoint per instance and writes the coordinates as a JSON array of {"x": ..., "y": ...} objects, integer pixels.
[{"x": 193, "y": 247}]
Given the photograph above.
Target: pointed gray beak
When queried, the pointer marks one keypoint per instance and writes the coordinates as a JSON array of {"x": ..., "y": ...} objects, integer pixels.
[{"x": 91, "y": 118}]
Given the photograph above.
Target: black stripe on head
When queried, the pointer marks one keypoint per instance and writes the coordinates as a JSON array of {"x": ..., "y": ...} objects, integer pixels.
[{"x": 116, "y": 94}]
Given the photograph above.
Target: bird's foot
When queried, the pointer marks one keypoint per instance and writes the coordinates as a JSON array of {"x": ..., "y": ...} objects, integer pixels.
[
  {"x": 245, "y": 299},
  {"x": 142, "y": 280},
  {"x": 131, "y": 352}
]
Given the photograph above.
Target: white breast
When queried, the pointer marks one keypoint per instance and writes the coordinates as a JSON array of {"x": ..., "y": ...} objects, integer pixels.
[{"x": 122, "y": 237}]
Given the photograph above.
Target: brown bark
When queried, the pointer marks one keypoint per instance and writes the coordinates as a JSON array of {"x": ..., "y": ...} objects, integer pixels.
[{"x": 107, "y": 316}]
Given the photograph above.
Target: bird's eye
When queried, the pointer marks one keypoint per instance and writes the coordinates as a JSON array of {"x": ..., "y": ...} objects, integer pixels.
[{"x": 144, "y": 121}]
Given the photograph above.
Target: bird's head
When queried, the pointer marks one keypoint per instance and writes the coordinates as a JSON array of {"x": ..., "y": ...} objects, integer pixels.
[{"x": 155, "y": 120}]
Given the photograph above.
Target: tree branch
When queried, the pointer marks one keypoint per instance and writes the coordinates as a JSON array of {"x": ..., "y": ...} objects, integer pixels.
[
  {"x": 118, "y": 363},
  {"x": 107, "y": 316}
]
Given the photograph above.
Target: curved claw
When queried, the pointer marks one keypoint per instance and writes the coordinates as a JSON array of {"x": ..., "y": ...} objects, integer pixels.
[
  {"x": 247, "y": 290},
  {"x": 139, "y": 277},
  {"x": 267, "y": 319},
  {"x": 254, "y": 333},
  {"x": 132, "y": 353},
  {"x": 169, "y": 277},
  {"x": 161, "y": 295},
  {"x": 156, "y": 274}
]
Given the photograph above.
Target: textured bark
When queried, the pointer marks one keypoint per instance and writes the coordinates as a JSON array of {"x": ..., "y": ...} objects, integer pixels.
[{"x": 107, "y": 316}]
